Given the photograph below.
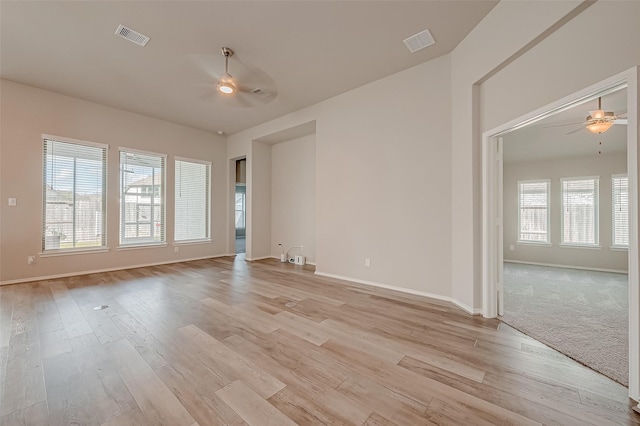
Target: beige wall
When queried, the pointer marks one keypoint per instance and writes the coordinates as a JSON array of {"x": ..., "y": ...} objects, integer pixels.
[
  {"x": 382, "y": 187},
  {"x": 597, "y": 165},
  {"x": 293, "y": 196},
  {"x": 27, "y": 113}
]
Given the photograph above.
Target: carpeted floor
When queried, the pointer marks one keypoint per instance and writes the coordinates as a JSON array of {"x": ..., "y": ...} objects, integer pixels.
[{"x": 583, "y": 314}]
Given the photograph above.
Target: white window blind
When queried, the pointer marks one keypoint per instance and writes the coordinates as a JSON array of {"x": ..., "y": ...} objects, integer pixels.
[
  {"x": 142, "y": 218},
  {"x": 192, "y": 200},
  {"x": 533, "y": 204},
  {"x": 74, "y": 179},
  {"x": 580, "y": 211},
  {"x": 620, "y": 210}
]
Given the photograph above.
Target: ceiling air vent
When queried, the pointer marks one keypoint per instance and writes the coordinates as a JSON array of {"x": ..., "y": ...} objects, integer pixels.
[
  {"x": 419, "y": 41},
  {"x": 131, "y": 35}
]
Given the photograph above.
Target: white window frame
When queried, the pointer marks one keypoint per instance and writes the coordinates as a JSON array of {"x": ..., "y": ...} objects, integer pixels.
[
  {"x": 596, "y": 219},
  {"x": 207, "y": 237},
  {"x": 142, "y": 242},
  {"x": 614, "y": 191},
  {"x": 103, "y": 216},
  {"x": 547, "y": 241}
]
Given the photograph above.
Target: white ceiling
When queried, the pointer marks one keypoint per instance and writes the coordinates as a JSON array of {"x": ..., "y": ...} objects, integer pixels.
[
  {"x": 307, "y": 51},
  {"x": 538, "y": 141}
]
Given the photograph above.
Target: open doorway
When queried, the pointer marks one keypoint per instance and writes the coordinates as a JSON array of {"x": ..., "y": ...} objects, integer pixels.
[
  {"x": 241, "y": 206},
  {"x": 494, "y": 222},
  {"x": 565, "y": 239}
]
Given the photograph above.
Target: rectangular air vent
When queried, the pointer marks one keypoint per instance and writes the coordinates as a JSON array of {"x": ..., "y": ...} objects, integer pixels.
[
  {"x": 419, "y": 41},
  {"x": 131, "y": 35}
]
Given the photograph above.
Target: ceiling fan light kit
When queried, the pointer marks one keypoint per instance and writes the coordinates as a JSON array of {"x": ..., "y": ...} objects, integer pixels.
[
  {"x": 226, "y": 84},
  {"x": 600, "y": 121}
]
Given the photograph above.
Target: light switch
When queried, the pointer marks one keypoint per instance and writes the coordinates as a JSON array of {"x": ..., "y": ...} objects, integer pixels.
[{"x": 12, "y": 202}]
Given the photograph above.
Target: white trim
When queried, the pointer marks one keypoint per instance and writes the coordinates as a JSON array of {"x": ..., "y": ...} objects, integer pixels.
[
  {"x": 74, "y": 141},
  {"x": 533, "y": 243},
  {"x": 256, "y": 258},
  {"x": 97, "y": 271},
  {"x": 192, "y": 242},
  {"x": 140, "y": 151},
  {"x": 73, "y": 252},
  {"x": 192, "y": 160},
  {"x": 462, "y": 306},
  {"x": 581, "y": 246},
  {"x": 141, "y": 246},
  {"x": 553, "y": 265}
]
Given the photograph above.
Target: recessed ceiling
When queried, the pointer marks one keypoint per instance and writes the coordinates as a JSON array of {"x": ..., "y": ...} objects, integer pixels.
[{"x": 310, "y": 50}]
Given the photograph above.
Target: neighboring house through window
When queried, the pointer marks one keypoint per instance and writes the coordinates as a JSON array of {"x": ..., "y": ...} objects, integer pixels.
[
  {"x": 142, "y": 215},
  {"x": 74, "y": 186}
]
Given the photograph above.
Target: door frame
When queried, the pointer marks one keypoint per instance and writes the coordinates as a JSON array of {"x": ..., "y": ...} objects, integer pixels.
[{"x": 492, "y": 197}]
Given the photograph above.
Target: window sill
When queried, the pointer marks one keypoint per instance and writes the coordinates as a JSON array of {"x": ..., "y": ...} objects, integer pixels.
[
  {"x": 71, "y": 252},
  {"x": 192, "y": 242},
  {"x": 581, "y": 246},
  {"x": 141, "y": 246},
  {"x": 619, "y": 248},
  {"x": 534, "y": 243}
]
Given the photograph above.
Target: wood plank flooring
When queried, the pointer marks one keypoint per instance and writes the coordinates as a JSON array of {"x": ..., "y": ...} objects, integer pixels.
[{"x": 224, "y": 341}]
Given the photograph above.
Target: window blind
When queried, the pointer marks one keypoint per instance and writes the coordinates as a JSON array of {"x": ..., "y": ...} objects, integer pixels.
[
  {"x": 533, "y": 199},
  {"x": 192, "y": 197},
  {"x": 620, "y": 210},
  {"x": 74, "y": 195},
  {"x": 580, "y": 211},
  {"x": 142, "y": 205}
]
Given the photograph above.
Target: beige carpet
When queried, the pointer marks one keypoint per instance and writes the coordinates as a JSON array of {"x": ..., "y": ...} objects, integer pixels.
[{"x": 583, "y": 314}]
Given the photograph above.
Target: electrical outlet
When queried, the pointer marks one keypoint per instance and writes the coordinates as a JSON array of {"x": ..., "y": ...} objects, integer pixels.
[
  {"x": 176, "y": 249},
  {"x": 31, "y": 260},
  {"x": 512, "y": 247},
  {"x": 12, "y": 202},
  {"x": 367, "y": 262}
]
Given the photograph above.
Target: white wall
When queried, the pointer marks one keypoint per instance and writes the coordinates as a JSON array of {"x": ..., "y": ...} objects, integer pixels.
[
  {"x": 382, "y": 179},
  {"x": 293, "y": 196},
  {"x": 596, "y": 165},
  {"x": 27, "y": 113}
]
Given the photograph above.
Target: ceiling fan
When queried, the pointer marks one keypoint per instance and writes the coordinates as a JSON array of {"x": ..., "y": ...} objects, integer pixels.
[
  {"x": 599, "y": 121},
  {"x": 246, "y": 87}
]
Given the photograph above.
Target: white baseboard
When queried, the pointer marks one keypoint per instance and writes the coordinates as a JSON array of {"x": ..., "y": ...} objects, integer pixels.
[
  {"x": 553, "y": 265},
  {"x": 253, "y": 259},
  {"x": 97, "y": 271},
  {"x": 404, "y": 290},
  {"x": 306, "y": 263}
]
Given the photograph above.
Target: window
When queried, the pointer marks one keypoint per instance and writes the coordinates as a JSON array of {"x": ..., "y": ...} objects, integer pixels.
[
  {"x": 74, "y": 179},
  {"x": 580, "y": 211},
  {"x": 533, "y": 205},
  {"x": 620, "y": 210},
  {"x": 241, "y": 198},
  {"x": 141, "y": 198},
  {"x": 192, "y": 200}
]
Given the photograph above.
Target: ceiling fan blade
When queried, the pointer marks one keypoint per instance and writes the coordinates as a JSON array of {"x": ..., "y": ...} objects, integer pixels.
[
  {"x": 621, "y": 121},
  {"x": 564, "y": 124},
  {"x": 574, "y": 131}
]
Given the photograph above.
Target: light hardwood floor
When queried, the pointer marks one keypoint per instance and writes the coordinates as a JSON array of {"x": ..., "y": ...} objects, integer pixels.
[{"x": 224, "y": 341}]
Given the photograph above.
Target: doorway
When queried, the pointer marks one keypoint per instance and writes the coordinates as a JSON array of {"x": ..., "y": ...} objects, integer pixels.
[
  {"x": 240, "y": 213},
  {"x": 493, "y": 219}
]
